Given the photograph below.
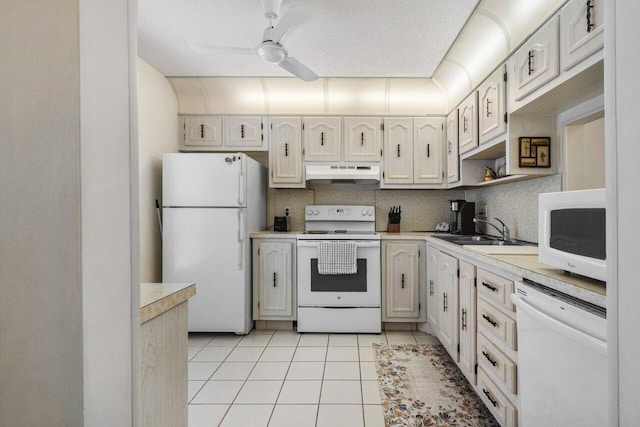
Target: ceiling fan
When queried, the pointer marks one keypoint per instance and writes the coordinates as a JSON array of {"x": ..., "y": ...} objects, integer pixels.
[{"x": 271, "y": 49}]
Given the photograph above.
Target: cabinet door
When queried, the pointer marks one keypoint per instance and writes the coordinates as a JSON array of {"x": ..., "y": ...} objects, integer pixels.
[
  {"x": 402, "y": 280},
  {"x": 536, "y": 62},
  {"x": 427, "y": 151},
  {"x": 362, "y": 138},
  {"x": 321, "y": 137},
  {"x": 432, "y": 289},
  {"x": 202, "y": 131},
  {"x": 453, "y": 160},
  {"x": 492, "y": 114},
  {"x": 582, "y": 30},
  {"x": 468, "y": 123},
  {"x": 467, "y": 311},
  {"x": 285, "y": 154},
  {"x": 398, "y": 151},
  {"x": 448, "y": 303},
  {"x": 276, "y": 279},
  {"x": 243, "y": 132}
]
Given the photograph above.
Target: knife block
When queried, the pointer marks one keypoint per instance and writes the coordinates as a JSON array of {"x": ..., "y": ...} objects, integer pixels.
[{"x": 393, "y": 228}]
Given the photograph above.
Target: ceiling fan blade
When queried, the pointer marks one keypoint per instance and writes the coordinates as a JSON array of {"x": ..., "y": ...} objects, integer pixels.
[
  {"x": 202, "y": 48},
  {"x": 294, "y": 17},
  {"x": 298, "y": 69}
]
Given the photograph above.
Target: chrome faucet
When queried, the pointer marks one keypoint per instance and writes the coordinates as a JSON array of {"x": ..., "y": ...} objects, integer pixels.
[{"x": 504, "y": 232}]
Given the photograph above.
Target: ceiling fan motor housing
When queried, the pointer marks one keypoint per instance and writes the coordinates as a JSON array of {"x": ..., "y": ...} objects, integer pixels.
[{"x": 271, "y": 52}]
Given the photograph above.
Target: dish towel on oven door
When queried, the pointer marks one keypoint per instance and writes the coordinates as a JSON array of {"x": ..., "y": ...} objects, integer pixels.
[{"x": 337, "y": 258}]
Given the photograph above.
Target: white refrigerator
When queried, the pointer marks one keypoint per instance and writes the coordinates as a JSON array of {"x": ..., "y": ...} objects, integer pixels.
[{"x": 211, "y": 202}]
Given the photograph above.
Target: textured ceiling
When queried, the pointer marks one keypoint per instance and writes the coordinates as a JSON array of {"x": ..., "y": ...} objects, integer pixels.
[{"x": 345, "y": 38}]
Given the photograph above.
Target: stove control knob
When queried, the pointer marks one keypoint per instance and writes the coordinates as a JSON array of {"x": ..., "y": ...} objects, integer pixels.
[
  {"x": 316, "y": 212},
  {"x": 370, "y": 212},
  {"x": 364, "y": 212},
  {"x": 309, "y": 212}
]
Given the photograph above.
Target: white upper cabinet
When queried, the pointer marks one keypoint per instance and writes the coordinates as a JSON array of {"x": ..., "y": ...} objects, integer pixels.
[
  {"x": 285, "y": 154},
  {"x": 243, "y": 132},
  {"x": 582, "y": 31},
  {"x": 468, "y": 123},
  {"x": 453, "y": 168},
  {"x": 492, "y": 114},
  {"x": 362, "y": 139},
  {"x": 321, "y": 137},
  {"x": 398, "y": 151},
  {"x": 427, "y": 150},
  {"x": 201, "y": 131},
  {"x": 536, "y": 62}
]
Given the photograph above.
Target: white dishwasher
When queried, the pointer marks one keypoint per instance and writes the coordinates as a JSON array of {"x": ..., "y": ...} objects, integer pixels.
[{"x": 562, "y": 359}]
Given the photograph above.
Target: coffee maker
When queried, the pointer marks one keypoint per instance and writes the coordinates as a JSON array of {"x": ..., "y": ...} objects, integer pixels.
[{"x": 462, "y": 213}]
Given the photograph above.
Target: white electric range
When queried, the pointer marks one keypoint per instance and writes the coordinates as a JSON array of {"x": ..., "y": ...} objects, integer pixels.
[{"x": 344, "y": 302}]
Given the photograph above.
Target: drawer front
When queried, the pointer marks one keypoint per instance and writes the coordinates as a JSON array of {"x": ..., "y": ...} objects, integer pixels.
[
  {"x": 492, "y": 359},
  {"x": 501, "y": 408},
  {"x": 497, "y": 323},
  {"x": 495, "y": 287}
]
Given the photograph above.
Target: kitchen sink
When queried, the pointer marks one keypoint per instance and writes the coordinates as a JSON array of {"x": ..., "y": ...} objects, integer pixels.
[{"x": 482, "y": 240}]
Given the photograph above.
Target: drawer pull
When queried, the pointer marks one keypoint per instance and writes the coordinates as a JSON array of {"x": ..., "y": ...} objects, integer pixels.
[
  {"x": 490, "y": 320},
  {"x": 493, "y": 402},
  {"x": 488, "y": 357},
  {"x": 490, "y": 287}
]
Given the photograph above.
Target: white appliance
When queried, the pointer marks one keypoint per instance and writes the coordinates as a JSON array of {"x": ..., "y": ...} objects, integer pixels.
[
  {"x": 358, "y": 173},
  {"x": 343, "y": 302},
  {"x": 211, "y": 202},
  {"x": 562, "y": 359},
  {"x": 572, "y": 232}
]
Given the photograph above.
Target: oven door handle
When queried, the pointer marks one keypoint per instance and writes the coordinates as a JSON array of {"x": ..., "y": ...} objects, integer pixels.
[{"x": 360, "y": 243}]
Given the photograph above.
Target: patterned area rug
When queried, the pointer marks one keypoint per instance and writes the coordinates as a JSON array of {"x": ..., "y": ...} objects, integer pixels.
[{"x": 422, "y": 387}]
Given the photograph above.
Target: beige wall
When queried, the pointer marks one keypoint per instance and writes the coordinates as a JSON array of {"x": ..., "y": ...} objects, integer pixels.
[
  {"x": 584, "y": 156},
  {"x": 157, "y": 134},
  {"x": 66, "y": 231}
]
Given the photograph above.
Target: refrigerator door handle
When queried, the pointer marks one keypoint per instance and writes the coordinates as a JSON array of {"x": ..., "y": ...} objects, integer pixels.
[
  {"x": 240, "y": 240},
  {"x": 241, "y": 184}
]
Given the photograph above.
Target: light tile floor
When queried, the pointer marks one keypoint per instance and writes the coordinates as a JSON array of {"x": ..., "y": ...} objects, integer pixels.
[{"x": 283, "y": 378}]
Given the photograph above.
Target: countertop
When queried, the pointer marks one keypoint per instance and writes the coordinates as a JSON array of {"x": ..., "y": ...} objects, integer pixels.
[
  {"x": 158, "y": 298},
  {"x": 526, "y": 266}
]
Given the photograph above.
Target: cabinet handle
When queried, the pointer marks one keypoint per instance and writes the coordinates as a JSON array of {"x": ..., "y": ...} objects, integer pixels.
[
  {"x": 464, "y": 124},
  {"x": 490, "y": 287},
  {"x": 275, "y": 279},
  {"x": 428, "y": 150},
  {"x": 590, "y": 24},
  {"x": 430, "y": 287},
  {"x": 398, "y": 150},
  {"x": 490, "y": 320},
  {"x": 444, "y": 302},
  {"x": 488, "y": 357},
  {"x": 449, "y": 146},
  {"x": 286, "y": 149},
  {"x": 321, "y": 138},
  {"x": 202, "y": 131},
  {"x": 488, "y": 103},
  {"x": 493, "y": 402},
  {"x": 361, "y": 138},
  {"x": 463, "y": 321},
  {"x": 242, "y": 131},
  {"x": 402, "y": 281},
  {"x": 530, "y": 62}
]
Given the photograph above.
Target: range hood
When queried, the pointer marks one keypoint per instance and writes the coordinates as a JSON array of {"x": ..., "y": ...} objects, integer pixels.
[{"x": 343, "y": 172}]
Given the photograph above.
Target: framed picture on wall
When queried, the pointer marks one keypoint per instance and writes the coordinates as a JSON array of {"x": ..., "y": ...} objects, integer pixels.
[{"x": 535, "y": 152}]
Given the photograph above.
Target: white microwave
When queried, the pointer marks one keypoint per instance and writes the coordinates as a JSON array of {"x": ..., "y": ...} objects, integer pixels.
[{"x": 572, "y": 232}]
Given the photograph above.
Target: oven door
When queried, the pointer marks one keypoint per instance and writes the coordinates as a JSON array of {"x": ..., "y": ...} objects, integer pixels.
[{"x": 343, "y": 290}]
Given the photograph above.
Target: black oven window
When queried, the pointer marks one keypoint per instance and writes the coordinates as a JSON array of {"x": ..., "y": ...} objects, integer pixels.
[
  {"x": 579, "y": 231},
  {"x": 339, "y": 282}
]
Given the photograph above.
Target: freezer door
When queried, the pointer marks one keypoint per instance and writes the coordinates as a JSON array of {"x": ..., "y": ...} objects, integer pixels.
[
  {"x": 208, "y": 246},
  {"x": 203, "y": 179}
]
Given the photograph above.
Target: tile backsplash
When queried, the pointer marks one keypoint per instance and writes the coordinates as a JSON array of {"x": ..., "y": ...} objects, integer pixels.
[
  {"x": 421, "y": 209},
  {"x": 516, "y": 204}
]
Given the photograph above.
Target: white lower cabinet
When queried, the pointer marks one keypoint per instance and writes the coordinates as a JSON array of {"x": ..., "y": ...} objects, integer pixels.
[
  {"x": 448, "y": 303},
  {"x": 402, "y": 279},
  {"x": 500, "y": 406},
  {"x": 467, "y": 283},
  {"x": 432, "y": 289},
  {"x": 274, "y": 279}
]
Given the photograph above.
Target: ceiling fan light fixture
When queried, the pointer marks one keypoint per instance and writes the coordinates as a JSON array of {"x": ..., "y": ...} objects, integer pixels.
[{"x": 271, "y": 52}]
